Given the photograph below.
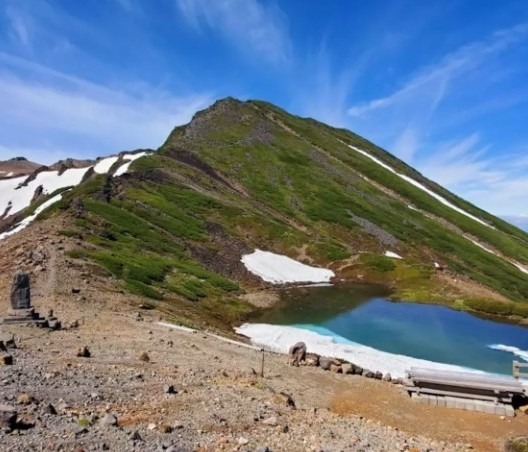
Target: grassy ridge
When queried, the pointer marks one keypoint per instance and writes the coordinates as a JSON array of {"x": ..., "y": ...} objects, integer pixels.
[{"x": 248, "y": 175}]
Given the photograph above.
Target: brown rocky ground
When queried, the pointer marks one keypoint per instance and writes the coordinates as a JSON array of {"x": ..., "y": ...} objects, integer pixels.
[{"x": 219, "y": 403}]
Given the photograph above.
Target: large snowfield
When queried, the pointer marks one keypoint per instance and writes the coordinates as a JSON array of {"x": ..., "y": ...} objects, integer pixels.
[
  {"x": 17, "y": 198},
  {"x": 281, "y": 338},
  {"x": 279, "y": 269}
]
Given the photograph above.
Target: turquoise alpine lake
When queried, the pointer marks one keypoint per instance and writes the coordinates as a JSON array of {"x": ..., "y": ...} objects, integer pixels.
[{"x": 362, "y": 314}]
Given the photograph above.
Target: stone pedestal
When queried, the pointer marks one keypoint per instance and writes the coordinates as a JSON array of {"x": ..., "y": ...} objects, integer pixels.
[{"x": 24, "y": 316}]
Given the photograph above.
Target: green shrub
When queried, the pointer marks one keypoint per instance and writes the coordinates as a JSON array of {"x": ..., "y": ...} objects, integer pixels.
[{"x": 379, "y": 263}]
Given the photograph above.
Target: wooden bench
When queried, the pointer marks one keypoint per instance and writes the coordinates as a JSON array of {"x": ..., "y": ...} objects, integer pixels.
[{"x": 465, "y": 385}]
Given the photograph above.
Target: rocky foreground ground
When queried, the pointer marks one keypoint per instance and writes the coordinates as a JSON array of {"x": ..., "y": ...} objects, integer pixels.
[
  {"x": 152, "y": 388},
  {"x": 147, "y": 387}
]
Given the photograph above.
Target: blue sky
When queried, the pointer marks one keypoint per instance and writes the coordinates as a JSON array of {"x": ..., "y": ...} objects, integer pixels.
[{"x": 443, "y": 85}]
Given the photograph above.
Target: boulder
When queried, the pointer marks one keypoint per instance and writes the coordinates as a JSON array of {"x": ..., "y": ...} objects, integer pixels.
[
  {"x": 378, "y": 375},
  {"x": 387, "y": 377},
  {"x": 312, "y": 359},
  {"x": 368, "y": 373},
  {"x": 347, "y": 368},
  {"x": 297, "y": 353},
  {"x": 336, "y": 368},
  {"x": 358, "y": 370},
  {"x": 325, "y": 362}
]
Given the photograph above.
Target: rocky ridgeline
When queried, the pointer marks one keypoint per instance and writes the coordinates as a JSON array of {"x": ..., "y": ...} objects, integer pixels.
[{"x": 298, "y": 356}]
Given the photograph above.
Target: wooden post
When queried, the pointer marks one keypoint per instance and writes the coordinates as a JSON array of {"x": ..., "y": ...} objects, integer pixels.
[{"x": 262, "y": 366}]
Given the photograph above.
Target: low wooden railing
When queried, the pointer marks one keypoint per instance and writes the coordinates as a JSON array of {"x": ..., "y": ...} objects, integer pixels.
[{"x": 520, "y": 370}]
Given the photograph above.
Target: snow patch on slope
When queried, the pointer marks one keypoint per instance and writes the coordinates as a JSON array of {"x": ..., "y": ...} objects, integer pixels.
[
  {"x": 393, "y": 255},
  {"x": 16, "y": 197},
  {"x": 20, "y": 198},
  {"x": 279, "y": 269},
  {"x": 485, "y": 248},
  {"x": 420, "y": 186},
  {"x": 104, "y": 165},
  {"x": 124, "y": 168},
  {"x": 28, "y": 220}
]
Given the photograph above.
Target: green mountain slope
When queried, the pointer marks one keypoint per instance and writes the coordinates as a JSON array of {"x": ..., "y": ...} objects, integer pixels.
[{"x": 246, "y": 175}]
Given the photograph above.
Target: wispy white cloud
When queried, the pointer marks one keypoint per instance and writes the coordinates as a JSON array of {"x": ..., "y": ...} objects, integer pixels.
[
  {"x": 495, "y": 182},
  {"x": 407, "y": 143},
  {"x": 257, "y": 29},
  {"x": 130, "y": 6},
  {"x": 436, "y": 77},
  {"x": 63, "y": 114},
  {"x": 19, "y": 26}
]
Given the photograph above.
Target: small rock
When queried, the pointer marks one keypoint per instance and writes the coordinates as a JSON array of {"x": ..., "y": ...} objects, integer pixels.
[
  {"x": 151, "y": 426},
  {"x": 270, "y": 421},
  {"x": 84, "y": 352},
  {"x": 169, "y": 389},
  {"x": 6, "y": 360},
  {"x": 524, "y": 409},
  {"x": 109, "y": 419},
  {"x": 177, "y": 425},
  {"x": 286, "y": 399},
  {"x": 243, "y": 441},
  {"x": 50, "y": 409},
  {"x": 25, "y": 399},
  {"x": 8, "y": 416},
  {"x": 166, "y": 429},
  {"x": 144, "y": 357},
  {"x": 80, "y": 430},
  {"x": 135, "y": 436},
  {"x": 76, "y": 290}
]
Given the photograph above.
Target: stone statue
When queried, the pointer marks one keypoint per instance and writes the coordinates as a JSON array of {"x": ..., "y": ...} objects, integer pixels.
[{"x": 20, "y": 291}]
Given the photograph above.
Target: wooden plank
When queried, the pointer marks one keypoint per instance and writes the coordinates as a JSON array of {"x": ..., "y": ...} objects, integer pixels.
[
  {"x": 468, "y": 384},
  {"x": 466, "y": 379},
  {"x": 494, "y": 398}
]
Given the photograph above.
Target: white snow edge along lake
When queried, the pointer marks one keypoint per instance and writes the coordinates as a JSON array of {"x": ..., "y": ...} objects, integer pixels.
[
  {"x": 279, "y": 269},
  {"x": 17, "y": 197},
  {"x": 280, "y": 338}
]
